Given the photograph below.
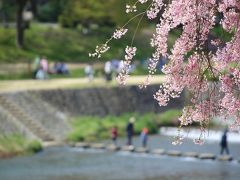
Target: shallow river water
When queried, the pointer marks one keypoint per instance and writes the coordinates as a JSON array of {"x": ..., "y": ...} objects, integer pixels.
[{"x": 66, "y": 163}]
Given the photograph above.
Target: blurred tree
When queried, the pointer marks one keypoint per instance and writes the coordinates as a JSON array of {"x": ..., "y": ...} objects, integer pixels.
[
  {"x": 20, "y": 22},
  {"x": 116, "y": 9},
  {"x": 86, "y": 13},
  {"x": 9, "y": 7},
  {"x": 50, "y": 11},
  {"x": 7, "y": 11},
  {"x": 70, "y": 13},
  {"x": 101, "y": 12}
]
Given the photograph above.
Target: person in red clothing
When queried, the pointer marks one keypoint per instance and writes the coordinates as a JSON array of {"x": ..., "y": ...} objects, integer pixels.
[{"x": 114, "y": 135}]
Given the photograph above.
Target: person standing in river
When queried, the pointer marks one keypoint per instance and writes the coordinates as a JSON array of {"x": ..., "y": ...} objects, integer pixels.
[
  {"x": 224, "y": 143},
  {"x": 144, "y": 137},
  {"x": 130, "y": 130},
  {"x": 114, "y": 135}
]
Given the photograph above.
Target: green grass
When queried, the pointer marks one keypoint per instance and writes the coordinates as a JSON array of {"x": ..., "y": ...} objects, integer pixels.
[
  {"x": 74, "y": 73},
  {"x": 88, "y": 128},
  {"x": 168, "y": 118},
  {"x": 61, "y": 44},
  {"x": 16, "y": 144},
  {"x": 15, "y": 76},
  {"x": 71, "y": 45},
  {"x": 12, "y": 74},
  {"x": 141, "y": 70},
  {"x": 34, "y": 146}
]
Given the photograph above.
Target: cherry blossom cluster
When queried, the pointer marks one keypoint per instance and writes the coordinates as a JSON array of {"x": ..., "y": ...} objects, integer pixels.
[
  {"x": 122, "y": 76},
  {"x": 119, "y": 33},
  {"x": 197, "y": 19},
  {"x": 208, "y": 69},
  {"x": 143, "y": 1},
  {"x": 99, "y": 50},
  {"x": 155, "y": 8},
  {"x": 131, "y": 8},
  {"x": 178, "y": 140}
]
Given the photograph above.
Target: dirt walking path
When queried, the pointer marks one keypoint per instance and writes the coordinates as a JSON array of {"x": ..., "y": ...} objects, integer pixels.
[{"x": 23, "y": 85}]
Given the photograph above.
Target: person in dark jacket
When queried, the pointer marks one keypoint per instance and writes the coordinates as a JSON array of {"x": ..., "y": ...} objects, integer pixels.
[
  {"x": 130, "y": 130},
  {"x": 224, "y": 143}
]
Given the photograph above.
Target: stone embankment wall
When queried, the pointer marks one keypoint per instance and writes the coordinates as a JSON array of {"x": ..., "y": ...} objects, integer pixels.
[
  {"x": 53, "y": 108},
  {"x": 105, "y": 101}
]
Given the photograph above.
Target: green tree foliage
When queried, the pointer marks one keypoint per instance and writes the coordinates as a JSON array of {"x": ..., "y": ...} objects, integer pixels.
[
  {"x": 101, "y": 12},
  {"x": 85, "y": 12},
  {"x": 17, "y": 7},
  {"x": 116, "y": 10},
  {"x": 50, "y": 11},
  {"x": 7, "y": 11}
]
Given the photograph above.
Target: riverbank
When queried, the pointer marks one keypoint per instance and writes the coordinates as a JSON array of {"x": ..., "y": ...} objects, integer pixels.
[
  {"x": 14, "y": 145},
  {"x": 95, "y": 128}
]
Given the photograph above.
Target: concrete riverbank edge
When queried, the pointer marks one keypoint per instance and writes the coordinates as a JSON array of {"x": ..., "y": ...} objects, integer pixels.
[{"x": 172, "y": 153}]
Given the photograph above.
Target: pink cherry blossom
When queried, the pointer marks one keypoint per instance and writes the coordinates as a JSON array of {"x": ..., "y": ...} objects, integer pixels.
[
  {"x": 122, "y": 76},
  {"x": 119, "y": 33},
  {"x": 211, "y": 76}
]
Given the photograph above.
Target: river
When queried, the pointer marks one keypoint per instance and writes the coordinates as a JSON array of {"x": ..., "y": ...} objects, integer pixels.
[{"x": 67, "y": 163}]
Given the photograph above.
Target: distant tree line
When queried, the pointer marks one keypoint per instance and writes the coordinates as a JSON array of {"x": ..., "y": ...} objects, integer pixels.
[{"x": 68, "y": 13}]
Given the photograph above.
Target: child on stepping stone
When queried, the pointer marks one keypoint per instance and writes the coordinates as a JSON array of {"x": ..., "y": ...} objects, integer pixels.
[{"x": 144, "y": 136}]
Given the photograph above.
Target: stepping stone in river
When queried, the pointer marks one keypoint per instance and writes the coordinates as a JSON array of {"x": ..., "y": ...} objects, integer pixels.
[
  {"x": 112, "y": 148},
  {"x": 128, "y": 148},
  {"x": 206, "y": 156},
  {"x": 141, "y": 150},
  {"x": 225, "y": 158},
  {"x": 190, "y": 154},
  {"x": 52, "y": 144},
  {"x": 72, "y": 144},
  {"x": 82, "y": 145},
  {"x": 174, "y": 153},
  {"x": 97, "y": 146},
  {"x": 158, "y": 151}
]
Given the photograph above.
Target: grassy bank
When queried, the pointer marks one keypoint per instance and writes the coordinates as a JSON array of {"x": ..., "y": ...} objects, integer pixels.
[
  {"x": 13, "y": 145},
  {"x": 95, "y": 128},
  {"x": 23, "y": 73},
  {"x": 61, "y": 44},
  {"x": 72, "y": 45},
  {"x": 68, "y": 45}
]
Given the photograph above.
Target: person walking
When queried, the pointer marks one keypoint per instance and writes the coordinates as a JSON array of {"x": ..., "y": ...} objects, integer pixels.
[
  {"x": 130, "y": 130},
  {"x": 144, "y": 137},
  {"x": 114, "y": 135},
  {"x": 44, "y": 66},
  {"x": 89, "y": 72},
  {"x": 108, "y": 71},
  {"x": 35, "y": 66},
  {"x": 224, "y": 143}
]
